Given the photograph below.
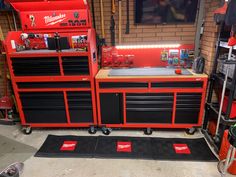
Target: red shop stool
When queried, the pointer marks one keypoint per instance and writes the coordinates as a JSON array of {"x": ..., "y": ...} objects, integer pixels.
[{"x": 229, "y": 164}]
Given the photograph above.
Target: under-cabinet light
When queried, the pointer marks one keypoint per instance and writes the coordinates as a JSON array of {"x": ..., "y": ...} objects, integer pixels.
[{"x": 148, "y": 46}]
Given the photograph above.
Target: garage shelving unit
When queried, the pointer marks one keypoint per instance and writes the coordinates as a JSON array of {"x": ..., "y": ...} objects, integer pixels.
[{"x": 216, "y": 83}]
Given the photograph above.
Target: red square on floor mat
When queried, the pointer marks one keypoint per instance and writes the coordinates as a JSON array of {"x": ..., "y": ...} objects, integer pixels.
[
  {"x": 68, "y": 146},
  {"x": 124, "y": 146},
  {"x": 181, "y": 149}
]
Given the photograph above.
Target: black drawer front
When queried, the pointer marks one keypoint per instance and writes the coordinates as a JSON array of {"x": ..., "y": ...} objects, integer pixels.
[
  {"x": 36, "y": 66},
  {"x": 177, "y": 84},
  {"x": 75, "y": 65},
  {"x": 43, "y": 107},
  {"x": 80, "y": 107},
  {"x": 188, "y": 108},
  {"x": 111, "y": 106},
  {"x": 187, "y": 116},
  {"x": 149, "y": 100},
  {"x": 78, "y": 84},
  {"x": 106, "y": 85},
  {"x": 159, "y": 116},
  {"x": 149, "y": 108},
  {"x": 188, "y": 100}
]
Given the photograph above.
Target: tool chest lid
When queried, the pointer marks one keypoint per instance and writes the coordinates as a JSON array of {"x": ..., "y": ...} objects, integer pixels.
[
  {"x": 45, "y": 5},
  {"x": 46, "y": 15}
]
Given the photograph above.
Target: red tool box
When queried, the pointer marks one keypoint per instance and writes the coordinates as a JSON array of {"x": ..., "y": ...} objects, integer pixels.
[
  {"x": 233, "y": 108},
  {"x": 139, "y": 99},
  {"x": 224, "y": 150},
  {"x": 52, "y": 63}
]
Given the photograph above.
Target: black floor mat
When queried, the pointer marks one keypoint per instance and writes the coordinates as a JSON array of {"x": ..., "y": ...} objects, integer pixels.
[
  {"x": 182, "y": 149},
  {"x": 126, "y": 147},
  {"x": 74, "y": 146},
  {"x": 115, "y": 147}
]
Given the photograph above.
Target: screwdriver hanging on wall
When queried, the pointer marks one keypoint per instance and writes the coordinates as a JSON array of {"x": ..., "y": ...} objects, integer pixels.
[
  {"x": 103, "y": 41},
  {"x": 112, "y": 27},
  {"x": 93, "y": 14},
  {"x": 127, "y": 21},
  {"x": 120, "y": 21}
]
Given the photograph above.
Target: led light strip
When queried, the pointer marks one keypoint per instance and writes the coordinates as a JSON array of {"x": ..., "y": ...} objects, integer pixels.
[{"x": 148, "y": 46}]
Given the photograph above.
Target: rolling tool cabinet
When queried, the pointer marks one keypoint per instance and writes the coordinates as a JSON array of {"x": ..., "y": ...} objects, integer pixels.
[
  {"x": 54, "y": 88},
  {"x": 150, "y": 101}
]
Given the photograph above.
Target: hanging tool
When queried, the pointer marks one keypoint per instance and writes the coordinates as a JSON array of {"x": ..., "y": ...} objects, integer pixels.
[
  {"x": 102, "y": 24},
  {"x": 9, "y": 22},
  {"x": 127, "y": 21},
  {"x": 112, "y": 27},
  {"x": 1, "y": 35},
  {"x": 14, "y": 20},
  {"x": 120, "y": 21},
  {"x": 93, "y": 14}
]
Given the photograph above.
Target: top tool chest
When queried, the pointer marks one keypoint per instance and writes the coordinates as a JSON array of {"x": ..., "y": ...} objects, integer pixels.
[{"x": 52, "y": 63}]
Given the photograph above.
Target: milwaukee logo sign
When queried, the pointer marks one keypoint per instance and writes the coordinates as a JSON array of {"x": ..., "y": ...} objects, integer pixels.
[
  {"x": 124, "y": 146},
  {"x": 52, "y": 20},
  {"x": 68, "y": 146},
  {"x": 181, "y": 149}
]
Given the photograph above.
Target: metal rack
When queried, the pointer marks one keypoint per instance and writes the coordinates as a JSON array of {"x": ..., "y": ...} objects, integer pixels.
[{"x": 213, "y": 109}]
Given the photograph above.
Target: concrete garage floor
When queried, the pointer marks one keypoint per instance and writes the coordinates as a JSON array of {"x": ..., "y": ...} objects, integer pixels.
[{"x": 75, "y": 167}]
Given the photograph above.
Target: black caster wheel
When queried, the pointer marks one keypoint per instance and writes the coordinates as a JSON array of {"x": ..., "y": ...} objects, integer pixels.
[
  {"x": 92, "y": 130},
  {"x": 27, "y": 130},
  {"x": 148, "y": 131},
  {"x": 191, "y": 131},
  {"x": 106, "y": 131}
]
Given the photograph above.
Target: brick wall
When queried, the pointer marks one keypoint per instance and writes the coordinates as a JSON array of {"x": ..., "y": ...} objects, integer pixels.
[
  {"x": 140, "y": 34},
  {"x": 210, "y": 34}
]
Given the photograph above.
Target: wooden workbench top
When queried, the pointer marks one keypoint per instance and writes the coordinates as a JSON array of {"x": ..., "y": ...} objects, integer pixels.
[{"x": 104, "y": 74}]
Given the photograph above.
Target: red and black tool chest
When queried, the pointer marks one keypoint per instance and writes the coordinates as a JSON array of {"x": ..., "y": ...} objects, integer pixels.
[
  {"x": 54, "y": 88},
  {"x": 150, "y": 102},
  {"x": 149, "y": 93}
]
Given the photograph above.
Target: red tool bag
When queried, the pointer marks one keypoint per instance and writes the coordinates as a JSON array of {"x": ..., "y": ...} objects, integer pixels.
[
  {"x": 224, "y": 150},
  {"x": 233, "y": 108}
]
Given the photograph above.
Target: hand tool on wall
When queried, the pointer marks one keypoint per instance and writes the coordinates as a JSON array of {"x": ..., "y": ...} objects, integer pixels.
[
  {"x": 102, "y": 23},
  {"x": 9, "y": 22},
  {"x": 120, "y": 21},
  {"x": 127, "y": 21},
  {"x": 93, "y": 14},
  {"x": 112, "y": 27},
  {"x": 1, "y": 35},
  {"x": 14, "y": 20}
]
